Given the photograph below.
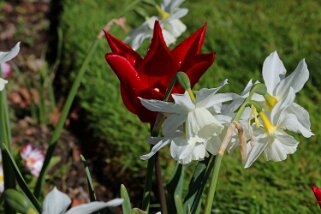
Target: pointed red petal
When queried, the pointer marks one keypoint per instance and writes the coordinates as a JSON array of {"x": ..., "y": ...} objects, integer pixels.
[
  {"x": 200, "y": 64},
  {"x": 125, "y": 72},
  {"x": 189, "y": 48},
  {"x": 317, "y": 193},
  {"x": 159, "y": 65},
  {"x": 121, "y": 48}
]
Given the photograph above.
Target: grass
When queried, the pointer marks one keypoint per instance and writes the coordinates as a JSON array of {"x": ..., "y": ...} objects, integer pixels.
[{"x": 242, "y": 33}]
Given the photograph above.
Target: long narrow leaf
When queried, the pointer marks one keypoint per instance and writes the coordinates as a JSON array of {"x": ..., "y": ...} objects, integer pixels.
[
  {"x": 92, "y": 193},
  {"x": 175, "y": 188},
  {"x": 179, "y": 204},
  {"x": 126, "y": 203},
  {"x": 62, "y": 119}
]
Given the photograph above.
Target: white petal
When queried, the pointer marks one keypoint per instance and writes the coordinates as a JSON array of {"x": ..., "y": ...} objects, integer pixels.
[
  {"x": 281, "y": 106},
  {"x": 178, "y": 13},
  {"x": 175, "y": 26},
  {"x": 172, "y": 122},
  {"x": 213, "y": 145},
  {"x": 301, "y": 114},
  {"x": 181, "y": 150},
  {"x": 169, "y": 37},
  {"x": 6, "y": 56},
  {"x": 156, "y": 148},
  {"x": 205, "y": 93},
  {"x": 290, "y": 122},
  {"x": 184, "y": 100},
  {"x": 197, "y": 120},
  {"x": 282, "y": 145},
  {"x": 216, "y": 99},
  {"x": 161, "y": 106},
  {"x": 256, "y": 149},
  {"x": 94, "y": 206},
  {"x": 273, "y": 70},
  {"x": 295, "y": 80},
  {"x": 55, "y": 202},
  {"x": 3, "y": 82}
]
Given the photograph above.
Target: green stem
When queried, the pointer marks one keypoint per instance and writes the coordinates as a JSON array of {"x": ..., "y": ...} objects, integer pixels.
[
  {"x": 152, "y": 161},
  {"x": 9, "y": 176},
  {"x": 62, "y": 119},
  {"x": 259, "y": 88},
  {"x": 214, "y": 179}
]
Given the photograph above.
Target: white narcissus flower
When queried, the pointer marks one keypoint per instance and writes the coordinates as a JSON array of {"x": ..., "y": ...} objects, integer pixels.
[
  {"x": 273, "y": 141},
  {"x": 6, "y": 56},
  {"x": 202, "y": 128},
  {"x": 278, "y": 87},
  {"x": 33, "y": 159},
  {"x": 57, "y": 202},
  {"x": 169, "y": 18}
]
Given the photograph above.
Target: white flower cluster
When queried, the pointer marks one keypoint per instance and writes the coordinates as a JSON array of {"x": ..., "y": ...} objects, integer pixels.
[
  {"x": 169, "y": 18},
  {"x": 195, "y": 128}
]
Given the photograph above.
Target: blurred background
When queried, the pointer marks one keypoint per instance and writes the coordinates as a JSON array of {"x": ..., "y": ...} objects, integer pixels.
[{"x": 55, "y": 37}]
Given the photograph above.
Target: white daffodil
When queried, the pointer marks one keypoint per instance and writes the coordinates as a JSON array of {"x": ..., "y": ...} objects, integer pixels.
[
  {"x": 278, "y": 86},
  {"x": 273, "y": 141},
  {"x": 169, "y": 18},
  {"x": 57, "y": 202},
  {"x": 201, "y": 128},
  {"x": 6, "y": 56}
]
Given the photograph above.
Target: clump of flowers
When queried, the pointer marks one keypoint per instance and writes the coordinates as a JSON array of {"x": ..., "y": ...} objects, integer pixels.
[
  {"x": 169, "y": 18},
  {"x": 33, "y": 159}
]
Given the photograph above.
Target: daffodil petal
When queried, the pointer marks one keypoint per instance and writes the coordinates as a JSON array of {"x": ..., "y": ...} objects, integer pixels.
[
  {"x": 295, "y": 80},
  {"x": 282, "y": 145},
  {"x": 291, "y": 122},
  {"x": 160, "y": 106},
  {"x": 55, "y": 202},
  {"x": 281, "y": 106},
  {"x": 273, "y": 70},
  {"x": 94, "y": 206},
  {"x": 255, "y": 150},
  {"x": 156, "y": 148},
  {"x": 6, "y": 56}
]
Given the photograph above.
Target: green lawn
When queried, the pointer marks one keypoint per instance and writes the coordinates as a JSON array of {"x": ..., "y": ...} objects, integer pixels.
[{"x": 242, "y": 33}]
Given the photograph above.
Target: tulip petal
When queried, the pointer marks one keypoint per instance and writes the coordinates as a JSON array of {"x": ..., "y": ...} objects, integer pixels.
[
  {"x": 159, "y": 65},
  {"x": 189, "y": 48},
  {"x": 198, "y": 66},
  {"x": 122, "y": 49},
  {"x": 94, "y": 206},
  {"x": 295, "y": 80}
]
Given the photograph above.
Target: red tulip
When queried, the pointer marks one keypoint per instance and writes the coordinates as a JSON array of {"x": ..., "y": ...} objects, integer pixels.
[
  {"x": 150, "y": 77},
  {"x": 317, "y": 193}
]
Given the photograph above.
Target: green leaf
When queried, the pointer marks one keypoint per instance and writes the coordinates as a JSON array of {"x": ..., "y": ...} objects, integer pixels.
[
  {"x": 179, "y": 204},
  {"x": 126, "y": 204},
  {"x": 175, "y": 187},
  {"x": 62, "y": 119},
  {"x": 92, "y": 193}
]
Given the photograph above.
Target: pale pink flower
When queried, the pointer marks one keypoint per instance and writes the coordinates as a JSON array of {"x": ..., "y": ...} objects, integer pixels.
[
  {"x": 33, "y": 159},
  {"x": 6, "y": 70}
]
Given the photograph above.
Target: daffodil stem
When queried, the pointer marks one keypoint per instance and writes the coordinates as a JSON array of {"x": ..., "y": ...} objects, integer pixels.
[
  {"x": 160, "y": 187},
  {"x": 62, "y": 119},
  {"x": 259, "y": 88},
  {"x": 9, "y": 176},
  {"x": 154, "y": 161},
  {"x": 217, "y": 166}
]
